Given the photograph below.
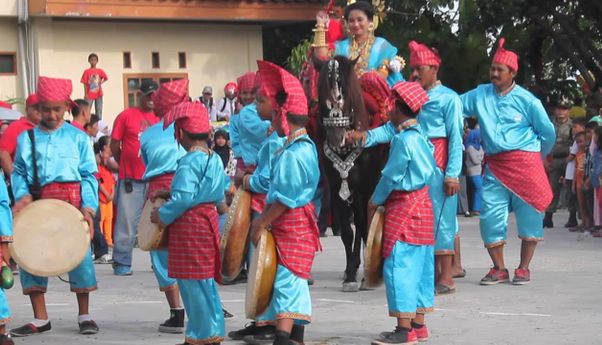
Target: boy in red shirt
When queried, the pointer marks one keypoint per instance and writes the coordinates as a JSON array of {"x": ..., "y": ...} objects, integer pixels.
[{"x": 93, "y": 78}]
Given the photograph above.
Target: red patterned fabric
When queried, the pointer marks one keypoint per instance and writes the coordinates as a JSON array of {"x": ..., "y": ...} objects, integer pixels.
[
  {"x": 297, "y": 238},
  {"x": 422, "y": 55},
  {"x": 505, "y": 57},
  {"x": 157, "y": 183},
  {"x": 411, "y": 93},
  {"x": 66, "y": 191},
  {"x": 258, "y": 202},
  {"x": 377, "y": 96},
  {"x": 190, "y": 116},
  {"x": 32, "y": 100},
  {"x": 194, "y": 244},
  {"x": 169, "y": 95},
  {"x": 408, "y": 218},
  {"x": 246, "y": 82},
  {"x": 54, "y": 89},
  {"x": 441, "y": 152},
  {"x": 523, "y": 173}
]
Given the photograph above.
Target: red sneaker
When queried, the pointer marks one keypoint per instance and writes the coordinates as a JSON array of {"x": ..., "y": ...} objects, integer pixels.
[
  {"x": 496, "y": 276},
  {"x": 422, "y": 333},
  {"x": 522, "y": 276}
]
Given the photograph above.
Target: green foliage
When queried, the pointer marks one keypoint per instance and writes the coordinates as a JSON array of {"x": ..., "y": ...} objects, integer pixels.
[{"x": 298, "y": 56}]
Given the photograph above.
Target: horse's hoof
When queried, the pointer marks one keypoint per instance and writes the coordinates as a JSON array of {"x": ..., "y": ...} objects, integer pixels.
[
  {"x": 363, "y": 286},
  {"x": 351, "y": 287}
]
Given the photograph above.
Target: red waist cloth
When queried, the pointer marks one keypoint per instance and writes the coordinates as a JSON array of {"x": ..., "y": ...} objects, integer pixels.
[
  {"x": 157, "y": 183},
  {"x": 66, "y": 191},
  {"x": 297, "y": 239},
  {"x": 441, "y": 152},
  {"x": 258, "y": 202},
  {"x": 194, "y": 244},
  {"x": 523, "y": 173},
  {"x": 408, "y": 218}
]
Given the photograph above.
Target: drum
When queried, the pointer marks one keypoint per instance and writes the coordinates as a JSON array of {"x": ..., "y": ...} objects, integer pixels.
[
  {"x": 260, "y": 283},
  {"x": 151, "y": 236},
  {"x": 51, "y": 237},
  {"x": 373, "y": 255},
  {"x": 234, "y": 242}
]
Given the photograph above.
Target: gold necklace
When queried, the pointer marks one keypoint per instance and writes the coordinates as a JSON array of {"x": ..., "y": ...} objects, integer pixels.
[{"x": 362, "y": 54}]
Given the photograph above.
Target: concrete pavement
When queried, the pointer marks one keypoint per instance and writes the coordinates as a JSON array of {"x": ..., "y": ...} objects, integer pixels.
[{"x": 561, "y": 305}]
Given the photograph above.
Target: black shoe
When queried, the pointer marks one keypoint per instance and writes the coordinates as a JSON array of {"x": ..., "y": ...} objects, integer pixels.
[
  {"x": 547, "y": 221},
  {"x": 251, "y": 329},
  {"x": 227, "y": 314},
  {"x": 399, "y": 336},
  {"x": 175, "y": 323},
  {"x": 241, "y": 278},
  {"x": 88, "y": 327},
  {"x": 30, "y": 329},
  {"x": 260, "y": 339}
]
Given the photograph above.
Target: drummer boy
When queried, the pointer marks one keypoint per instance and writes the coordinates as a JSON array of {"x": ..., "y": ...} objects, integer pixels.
[
  {"x": 408, "y": 227},
  {"x": 6, "y": 236},
  {"x": 290, "y": 212},
  {"x": 66, "y": 167},
  {"x": 191, "y": 214}
]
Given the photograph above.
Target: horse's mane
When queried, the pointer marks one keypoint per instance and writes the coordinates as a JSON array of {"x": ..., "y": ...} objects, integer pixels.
[{"x": 352, "y": 92}]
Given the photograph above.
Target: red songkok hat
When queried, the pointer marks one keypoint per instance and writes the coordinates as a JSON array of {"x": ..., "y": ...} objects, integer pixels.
[
  {"x": 422, "y": 55},
  {"x": 5, "y": 105},
  {"x": 411, "y": 93},
  {"x": 505, "y": 57},
  {"x": 275, "y": 79},
  {"x": 54, "y": 90},
  {"x": 189, "y": 116},
  {"x": 32, "y": 100},
  {"x": 246, "y": 82},
  {"x": 377, "y": 96},
  {"x": 169, "y": 95}
]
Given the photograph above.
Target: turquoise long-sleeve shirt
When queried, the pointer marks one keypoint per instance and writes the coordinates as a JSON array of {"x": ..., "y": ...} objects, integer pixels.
[
  {"x": 233, "y": 134},
  {"x": 63, "y": 155},
  {"x": 410, "y": 166},
  {"x": 199, "y": 179},
  {"x": 259, "y": 182},
  {"x": 515, "y": 121},
  {"x": 441, "y": 117},
  {"x": 159, "y": 150},
  {"x": 296, "y": 174},
  {"x": 6, "y": 216},
  {"x": 252, "y": 132}
]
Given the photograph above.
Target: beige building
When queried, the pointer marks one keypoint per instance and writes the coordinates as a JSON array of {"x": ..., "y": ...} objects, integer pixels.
[{"x": 210, "y": 42}]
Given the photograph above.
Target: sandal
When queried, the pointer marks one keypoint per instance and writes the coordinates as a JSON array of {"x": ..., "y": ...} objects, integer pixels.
[
  {"x": 441, "y": 289},
  {"x": 460, "y": 275}
]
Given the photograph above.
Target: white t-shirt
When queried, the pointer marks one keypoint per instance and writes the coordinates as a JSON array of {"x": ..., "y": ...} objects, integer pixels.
[{"x": 569, "y": 173}]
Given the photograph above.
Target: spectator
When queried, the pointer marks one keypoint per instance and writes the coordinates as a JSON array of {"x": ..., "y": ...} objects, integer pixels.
[
  {"x": 92, "y": 128},
  {"x": 103, "y": 129},
  {"x": 81, "y": 114},
  {"x": 586, "y": 221},
  {"x": 131, "y": 189},
  {"x": 474, "y": 157},
  {"x": 93, "y": 78},
  {"x": 591, "y": 140},
  {"x": 595, "y": 177},
  {"x": 106, "y": 185},
  {"x": 569, "y": 176},
  {"x": 207, "y": 100},
  {"x": 221, "y": 147},
  {"x": 227, "y": 105}
]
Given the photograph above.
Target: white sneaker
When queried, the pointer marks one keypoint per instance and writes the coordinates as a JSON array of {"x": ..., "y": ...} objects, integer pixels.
[{"x": 105, "y": 259}]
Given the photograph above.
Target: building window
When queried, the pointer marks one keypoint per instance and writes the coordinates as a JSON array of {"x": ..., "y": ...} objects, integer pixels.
[
  {"x": 182, "y": 59},
  {"x": 155, "y": 60},
  {"x": 127, "y": 60},
  {"x": 8, "y": 63},
  {"x": 132, "y": 82}
]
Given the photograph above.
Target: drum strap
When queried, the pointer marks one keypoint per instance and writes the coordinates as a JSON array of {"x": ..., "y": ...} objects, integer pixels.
[{"x": 34, "y": 189}]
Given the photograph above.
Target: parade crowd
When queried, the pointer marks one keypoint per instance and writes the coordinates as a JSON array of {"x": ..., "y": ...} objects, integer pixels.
[{"x": 496, "y": 142}]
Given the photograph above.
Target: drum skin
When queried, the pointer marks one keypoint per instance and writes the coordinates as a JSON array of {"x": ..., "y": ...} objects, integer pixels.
[
  {"x": 234, "y": 242},
  {"x": 373, "y": 255},
  {"x": 260, "y": 283},
  {"x": 51, "y": 237},
  {"x": 151, "y": 236}
]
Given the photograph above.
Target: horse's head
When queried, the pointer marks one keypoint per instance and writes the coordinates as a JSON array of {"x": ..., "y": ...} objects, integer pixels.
[{"x": 340, "y": 99}]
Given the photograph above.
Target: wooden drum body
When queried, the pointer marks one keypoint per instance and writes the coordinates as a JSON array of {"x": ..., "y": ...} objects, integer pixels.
[
  {"x": 260, "y": 283},
  {"x": 151, "y": 236},
  {"x": 234, "y": 242},
  {"x": 373, "y": 254}
]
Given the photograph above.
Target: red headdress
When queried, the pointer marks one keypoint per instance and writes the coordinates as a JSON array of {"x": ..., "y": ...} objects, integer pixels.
[
  {"x": 376, "y": 97},
  {"x": 246, "y": 82},
  {"x": 32, "y": 100},
  {"x": 421, "y": 55},
  {"x": 189, "y": 116},
  {"x": 5, "y": 105},
  {"x": 54, "y": 90},
  {"x": 411, "y": 93},
  {"x": 505, "y": 57},
  {"x": 169, "y": 95}
]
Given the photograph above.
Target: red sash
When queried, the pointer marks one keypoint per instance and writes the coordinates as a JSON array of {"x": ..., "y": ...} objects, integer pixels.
[
  {"x": 66, "y": 191},
  {"x": 194, "y": 244},
  {"x": 297, "y": 239},
  {"x": 524, "y": 174},
  {"x": 441, "y": 152},
  {"x": 258, "y": 202},
  {"x": 408, "y": 218},
  {"x": 157, "y": 183}
]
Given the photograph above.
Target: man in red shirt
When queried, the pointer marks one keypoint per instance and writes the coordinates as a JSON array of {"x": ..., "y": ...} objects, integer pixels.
[
  {"x": 93, "y": 78},
  {"x": 81, "y": 114},
  {"x": 131, "y": 189},
  {"x": 8, "y": 142}
]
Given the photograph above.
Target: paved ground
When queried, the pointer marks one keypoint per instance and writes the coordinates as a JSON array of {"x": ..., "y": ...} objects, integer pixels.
[{"x": 561, "y": 305}]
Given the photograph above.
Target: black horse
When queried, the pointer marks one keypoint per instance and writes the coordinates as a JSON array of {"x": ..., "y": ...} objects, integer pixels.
[{"x": 351, "y": 170}]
